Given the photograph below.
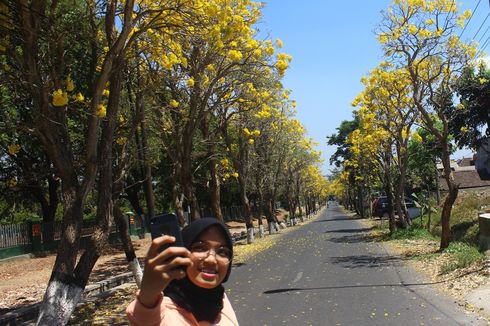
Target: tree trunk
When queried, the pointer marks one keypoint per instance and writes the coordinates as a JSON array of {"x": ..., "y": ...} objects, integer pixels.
[
  {"x": 48, "y": 205},
  {"x": 178, "y": 200},
  {"x": 148, "y": 179},
  {"x": 64, "y": 290},
  {"x": 399, "y": 209},
  {"x": 402, "y": 168},
  {"x": 214, "y": 187},
  {"x": 123, "y": 229},
  {"x": 246, "y": 207},
  {"x": 66, "y": 287},
  {"x": 389, "y": 192},
  {"x": 453, "y": 190},
  {"x": 214, "y": 183},
  {"x": 187, "y": 179},
  {"x": 132, "y": 196},
  {"x": 438, "y": 190}
]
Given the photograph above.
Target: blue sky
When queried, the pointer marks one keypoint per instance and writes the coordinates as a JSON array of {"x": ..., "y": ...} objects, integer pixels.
[{"x": 333, "y": 45}]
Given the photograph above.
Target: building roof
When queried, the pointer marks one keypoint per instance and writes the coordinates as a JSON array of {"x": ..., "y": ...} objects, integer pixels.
[
  {"x": 466, "y": 161},
  {"x": 454, "y": 165},
  {"x": 467, "y": 177}
]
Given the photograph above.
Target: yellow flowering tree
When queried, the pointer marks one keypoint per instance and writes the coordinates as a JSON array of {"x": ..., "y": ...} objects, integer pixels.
[
  {"x": 71, "y": 75},
  {"x": 366, "y": 145},
  {"x": 388, "y": 111},
  {"x": 204, "y": 81},
  {"x": 423, "y": 38}
]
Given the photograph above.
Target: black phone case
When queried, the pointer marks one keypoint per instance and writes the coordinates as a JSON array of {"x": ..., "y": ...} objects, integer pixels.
[{"x": 166, "y": 224}]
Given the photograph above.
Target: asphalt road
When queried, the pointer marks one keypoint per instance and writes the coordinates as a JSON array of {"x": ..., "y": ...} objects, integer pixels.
[{"x": 328, "y": 272}]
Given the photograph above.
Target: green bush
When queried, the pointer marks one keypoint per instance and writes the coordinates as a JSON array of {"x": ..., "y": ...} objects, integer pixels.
[
  {"x": 464, "y": 218},
  {"x": 461, "y": 255},
  {"x": 413, "y": 232}
]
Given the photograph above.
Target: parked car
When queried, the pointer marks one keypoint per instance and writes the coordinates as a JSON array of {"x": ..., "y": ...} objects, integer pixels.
[{"x": 380, "y": 207}]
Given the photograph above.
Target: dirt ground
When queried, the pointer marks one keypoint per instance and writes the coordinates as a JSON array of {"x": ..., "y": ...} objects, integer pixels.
[
  {"x": 424, "y": 256},
  {"x": 23, "y": 281}
]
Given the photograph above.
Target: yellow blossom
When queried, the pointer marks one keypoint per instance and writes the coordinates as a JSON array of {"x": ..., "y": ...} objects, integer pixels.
[
  {"x": 78, "y": 97},
  {"x": 60, "y": 98},
  {"x": 279, "y": 43},
  {"x": 417, "y": 137},
  {"x": 13, "y": 149},
  {"x": 460, "y": 106},
  {"x": 383, "y": 38},
  {"x": 173, "y": 103},
  {"x": 281, "y": 66},
  {"x": 482, "y": 80},
  {"x": 69, "y": 84},
  {"x": 190, "y": 82},
  {"x": 464, "y": 130},
  {"x": 269, "y": 50},
  {"x": 235, "y": 174},
  {"x": 105, "y": 93},
  {"x": 101, "y": 111},
  {"x": 405, "y": 133},
  {"x": 121, "y": 140},
  {"x": 251, "y": 141},
  {"x": 235, "y": 55},
  {"x": 412, "y": 29}
]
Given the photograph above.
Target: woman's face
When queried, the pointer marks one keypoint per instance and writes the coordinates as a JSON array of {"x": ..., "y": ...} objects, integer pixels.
[{"x": 208, "y": 255}]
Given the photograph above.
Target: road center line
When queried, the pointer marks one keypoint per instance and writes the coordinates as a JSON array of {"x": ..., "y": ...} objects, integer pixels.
[{"x": 298, "y": 277}]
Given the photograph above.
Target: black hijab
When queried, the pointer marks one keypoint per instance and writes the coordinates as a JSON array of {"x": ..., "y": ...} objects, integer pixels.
[{"x": 204, "y": 304}]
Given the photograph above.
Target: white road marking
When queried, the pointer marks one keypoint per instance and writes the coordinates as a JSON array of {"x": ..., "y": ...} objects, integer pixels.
[{"x": 298, "y": 277}]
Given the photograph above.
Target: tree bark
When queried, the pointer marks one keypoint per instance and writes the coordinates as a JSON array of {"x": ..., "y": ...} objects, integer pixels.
[
  {"x": 453, "y": 190},
  {"x": 148, "y": 179},
  {"x": 123, "y": 229},
  {"x": 214, "y": 183},
  {"x": 388, "y": 182}
]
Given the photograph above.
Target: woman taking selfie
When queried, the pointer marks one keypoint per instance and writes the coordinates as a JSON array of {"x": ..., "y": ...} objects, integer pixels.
[{"x": 190, "y": 277}]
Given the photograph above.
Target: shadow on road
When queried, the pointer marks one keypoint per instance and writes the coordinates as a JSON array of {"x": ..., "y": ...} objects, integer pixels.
[
  {"x": 355, "y": 238},
  {"x": 336, "y": 218},
  {"x": 361, "y": 261},
  {"x": 352, "y": 287},
  {"x": 351, "y": 230}
]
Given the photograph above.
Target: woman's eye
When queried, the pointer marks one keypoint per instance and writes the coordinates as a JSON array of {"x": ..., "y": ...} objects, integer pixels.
[
  {"x": 199, "y": 249},
  {"x": 223, "y": 252}
]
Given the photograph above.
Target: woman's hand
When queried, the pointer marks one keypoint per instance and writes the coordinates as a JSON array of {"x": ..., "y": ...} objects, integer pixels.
[{"x": 161, "y": 268}]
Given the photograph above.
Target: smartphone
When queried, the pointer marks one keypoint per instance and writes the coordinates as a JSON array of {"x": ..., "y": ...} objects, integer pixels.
[{"x": 169, "y": 225}]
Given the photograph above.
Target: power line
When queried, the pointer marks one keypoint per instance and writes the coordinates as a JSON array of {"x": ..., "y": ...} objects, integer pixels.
[
  {"x": 478, "y": 31},
  {"x": 483, "y": 35},
  {"x": 467, "y": 23},
  {"x": 483, "y": 47}
]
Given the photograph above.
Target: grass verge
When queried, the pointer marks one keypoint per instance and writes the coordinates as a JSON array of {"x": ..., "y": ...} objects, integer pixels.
[{"x": 461, "y": 255}]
